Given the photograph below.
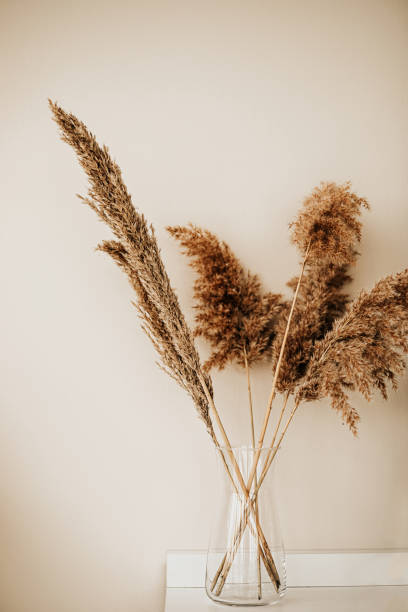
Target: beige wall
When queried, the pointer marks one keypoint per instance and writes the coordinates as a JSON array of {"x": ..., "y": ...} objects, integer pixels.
[{"x": 221, "y": 113}]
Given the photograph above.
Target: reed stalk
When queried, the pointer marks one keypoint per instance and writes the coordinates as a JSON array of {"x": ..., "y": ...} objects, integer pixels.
[
  {"x": 275, "y": 433},
  {"x": 251, "y": 413},
  {"x": 276, "y": 376}
]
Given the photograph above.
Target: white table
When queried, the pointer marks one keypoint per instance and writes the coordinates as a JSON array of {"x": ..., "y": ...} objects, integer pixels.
[
  {"x": 317, "y": 582},
  {"x": 299, "y": 599}
]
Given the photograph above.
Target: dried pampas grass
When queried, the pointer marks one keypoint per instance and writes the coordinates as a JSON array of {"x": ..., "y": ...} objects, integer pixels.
[
  {"x": 319, "y": 344},
  {"x": 136, "y": 251},
  {"x": 328, "y": 225},
  {"x": 364, "y": 351},
  {"x": 233, "y": 314}
]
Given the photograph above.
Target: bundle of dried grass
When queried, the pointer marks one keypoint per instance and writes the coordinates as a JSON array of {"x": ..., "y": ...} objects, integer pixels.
[
  {"x": 137, "y": 253},
  {"x": 321, "y": 346},
  {"x": 233, "y": 314}
]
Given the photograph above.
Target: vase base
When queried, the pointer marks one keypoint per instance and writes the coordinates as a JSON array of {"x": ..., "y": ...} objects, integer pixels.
[{"x": 234, "y": 599}]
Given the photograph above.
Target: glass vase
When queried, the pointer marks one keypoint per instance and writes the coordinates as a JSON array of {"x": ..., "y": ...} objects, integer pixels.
[{"x": 246, "y": 557}]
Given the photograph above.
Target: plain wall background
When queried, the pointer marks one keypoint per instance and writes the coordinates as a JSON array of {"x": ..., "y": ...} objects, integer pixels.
[{"x": 226, "y": 114}]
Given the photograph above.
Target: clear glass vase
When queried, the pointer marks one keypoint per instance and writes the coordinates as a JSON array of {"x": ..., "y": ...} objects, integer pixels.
[{"x": 246, "y": 557}]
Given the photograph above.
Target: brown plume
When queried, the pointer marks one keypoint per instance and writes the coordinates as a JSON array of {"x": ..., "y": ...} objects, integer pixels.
[
  {"x": 364, "y": 350},
  {"x": 137, "y": 253},
  {"x": 232, "y": 311},
  {"x": 328, "y": 224}
]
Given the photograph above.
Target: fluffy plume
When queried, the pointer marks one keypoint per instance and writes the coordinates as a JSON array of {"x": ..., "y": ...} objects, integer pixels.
[
  {"x": 232, "y": 311},
  {"x": 364, "y": 350},
  {"x": 137, "y": 253},
  {"x": 328, "y": 225}
]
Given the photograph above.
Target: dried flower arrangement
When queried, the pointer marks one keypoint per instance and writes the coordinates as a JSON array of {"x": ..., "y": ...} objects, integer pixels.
[{"x": 319, "y": 343}]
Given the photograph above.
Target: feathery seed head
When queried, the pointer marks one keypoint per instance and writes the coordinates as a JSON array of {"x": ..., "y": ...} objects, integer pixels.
[
  {"x": 328, "y": 224},
  {"x": 232, "y": 313},
  {"x": 137, "y": 253}
]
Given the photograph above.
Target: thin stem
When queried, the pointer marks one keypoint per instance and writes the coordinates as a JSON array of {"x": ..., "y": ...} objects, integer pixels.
[
  {"x": 275, "y": 433},
  {"x": 251, "y": 411},
  {"x": 271, "y": 457},
  {"x": 277, "y": 369},
  {"x": 223, "y": 434}
]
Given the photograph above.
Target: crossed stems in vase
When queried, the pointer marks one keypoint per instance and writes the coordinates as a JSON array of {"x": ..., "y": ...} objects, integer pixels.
[
  {"x": 228, "y": 559},
  {"x": 265, "y": 552}
]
